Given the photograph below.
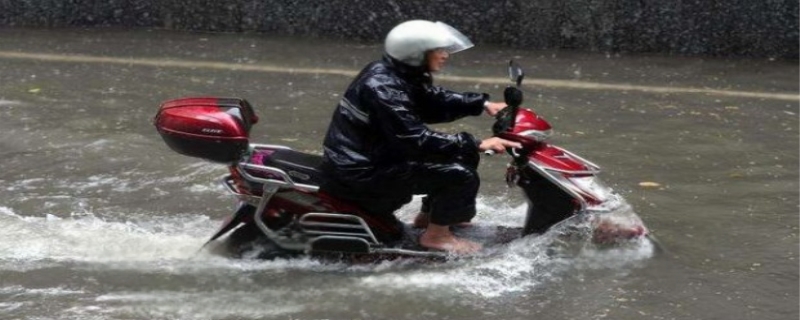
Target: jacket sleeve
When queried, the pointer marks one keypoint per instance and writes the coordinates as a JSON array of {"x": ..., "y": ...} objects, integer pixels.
[
  {"x": 443, "y": 105},
  {"x": 390, "y": 111}
]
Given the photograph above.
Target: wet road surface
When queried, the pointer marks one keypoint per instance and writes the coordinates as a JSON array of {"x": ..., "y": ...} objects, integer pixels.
[{"x": 100, "y": 220}]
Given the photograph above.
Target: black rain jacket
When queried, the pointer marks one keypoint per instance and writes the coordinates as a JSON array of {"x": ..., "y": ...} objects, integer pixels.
[{"x": 379, "y": 125}]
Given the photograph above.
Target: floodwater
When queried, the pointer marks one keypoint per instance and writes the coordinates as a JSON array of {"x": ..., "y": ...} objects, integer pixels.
[{"x": 100, "y": 220}]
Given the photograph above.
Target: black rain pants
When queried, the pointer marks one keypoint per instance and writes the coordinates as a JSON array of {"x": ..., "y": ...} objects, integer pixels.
[{"x": 450, "y": 186}]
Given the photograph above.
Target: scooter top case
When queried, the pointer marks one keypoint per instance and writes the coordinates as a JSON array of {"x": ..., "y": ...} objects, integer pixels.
[{"x": 210, "y": 128}]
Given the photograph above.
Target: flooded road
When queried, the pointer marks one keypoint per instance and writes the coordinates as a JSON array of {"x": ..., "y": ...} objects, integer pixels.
[{"x": 100, "y": 220}]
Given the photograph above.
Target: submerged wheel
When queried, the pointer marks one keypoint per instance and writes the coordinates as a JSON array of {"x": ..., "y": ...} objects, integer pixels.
[{"x": 248, "y": 242}]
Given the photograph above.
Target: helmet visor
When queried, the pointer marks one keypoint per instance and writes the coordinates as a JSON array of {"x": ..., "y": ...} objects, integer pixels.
[{"x": 458, "y": 41}]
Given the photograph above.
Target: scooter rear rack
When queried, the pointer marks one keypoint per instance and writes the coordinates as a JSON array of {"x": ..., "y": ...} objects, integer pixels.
[{"x": 321, "y": 232}]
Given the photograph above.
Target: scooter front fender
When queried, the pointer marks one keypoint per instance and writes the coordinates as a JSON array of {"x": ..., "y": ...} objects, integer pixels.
[{"x": 574, "y": 175}]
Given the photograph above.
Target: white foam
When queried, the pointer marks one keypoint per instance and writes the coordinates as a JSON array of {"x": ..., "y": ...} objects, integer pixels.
[
  {"x": 161, "y": 243},
  {"x": 21, "y": 291},
  {"x": 99, "y": 144},
  {"x": 131, "y": 181},
  {"x": 87, "y": 238},
  {"x": 7, "y": 307},
  {"x": 216, "y": 304},
  {"x": 524, "y": 263},
  {"x": 4, "y": 103},
  {"x": 516, "y": 267},
  {"x": 27, "y": 184}
]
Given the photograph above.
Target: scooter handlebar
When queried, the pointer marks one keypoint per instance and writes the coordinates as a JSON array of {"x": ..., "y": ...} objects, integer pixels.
[{"x": 491, "y": 152}]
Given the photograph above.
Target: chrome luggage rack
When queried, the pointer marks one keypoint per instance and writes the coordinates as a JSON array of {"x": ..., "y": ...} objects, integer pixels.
[{"x": 316, "y": 228}]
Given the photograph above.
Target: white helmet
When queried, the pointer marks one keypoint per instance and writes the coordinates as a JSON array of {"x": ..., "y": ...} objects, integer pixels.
[{"x": 409, "y": 40}]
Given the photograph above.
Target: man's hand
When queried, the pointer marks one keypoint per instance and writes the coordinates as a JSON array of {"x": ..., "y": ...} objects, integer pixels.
[
  {"x": 497, "y": 144},
  {"x": 492, "y": 108}
]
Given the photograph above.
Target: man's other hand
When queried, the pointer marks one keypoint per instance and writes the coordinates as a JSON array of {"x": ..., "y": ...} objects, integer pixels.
[{"x": 492, "y": 108}]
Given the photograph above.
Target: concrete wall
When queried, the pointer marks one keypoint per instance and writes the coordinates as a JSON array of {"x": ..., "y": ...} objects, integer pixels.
[{"x": 756, "y": 28}]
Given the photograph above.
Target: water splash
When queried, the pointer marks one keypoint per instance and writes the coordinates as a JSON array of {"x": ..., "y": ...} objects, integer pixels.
[
  {"x": 86, "y": 238},
  {"x": 160, "y": 244},
  {"x": 524, "y": 263},
  {"x": 170, "y": 244}
]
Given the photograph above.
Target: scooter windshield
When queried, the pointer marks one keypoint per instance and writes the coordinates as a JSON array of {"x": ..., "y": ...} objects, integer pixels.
[{"x": 458, "y": 41}]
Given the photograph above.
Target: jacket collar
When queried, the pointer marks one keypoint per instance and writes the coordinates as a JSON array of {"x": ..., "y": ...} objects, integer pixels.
[{"x": 410, "y": 73}]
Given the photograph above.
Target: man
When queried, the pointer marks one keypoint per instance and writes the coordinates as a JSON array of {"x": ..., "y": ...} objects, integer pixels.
[{"x": 378, "y": 151}]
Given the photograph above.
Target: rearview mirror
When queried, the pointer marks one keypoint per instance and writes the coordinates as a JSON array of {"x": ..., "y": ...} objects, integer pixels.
[
  {"x": 515, "y": 73},
  {"x": 513, "y": 95}
]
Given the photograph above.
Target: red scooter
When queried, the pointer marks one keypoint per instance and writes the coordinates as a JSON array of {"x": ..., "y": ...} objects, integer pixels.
[{"x": 283, "y": 213}]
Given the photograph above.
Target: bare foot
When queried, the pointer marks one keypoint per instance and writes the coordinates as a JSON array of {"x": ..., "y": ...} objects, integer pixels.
[
  {"x": 440, "y": 238},
  {"x": 421, "y": 222}
]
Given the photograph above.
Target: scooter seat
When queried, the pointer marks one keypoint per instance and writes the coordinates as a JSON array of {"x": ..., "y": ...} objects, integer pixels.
[{"x": 301, "y": 167}]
